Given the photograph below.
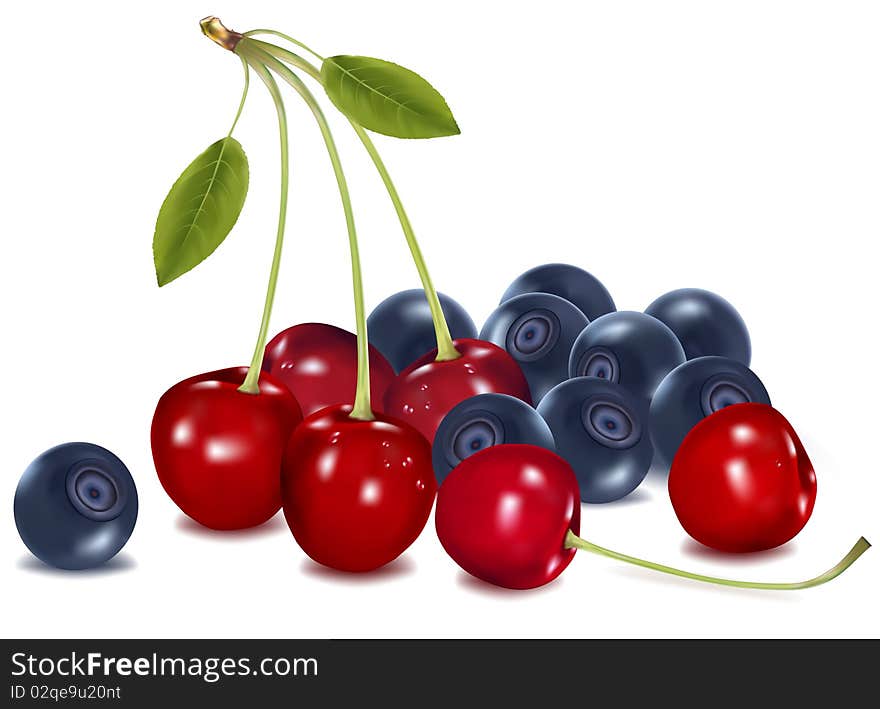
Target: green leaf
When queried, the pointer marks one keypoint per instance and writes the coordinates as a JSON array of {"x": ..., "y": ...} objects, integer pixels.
[
  {"x": 387, "y": 98},
  {"x": 200, "y": 210}
]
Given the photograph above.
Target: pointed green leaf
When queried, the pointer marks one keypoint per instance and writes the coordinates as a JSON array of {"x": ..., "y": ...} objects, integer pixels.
[
  {"x": 200, "y": 210},
  {"x": 387, "y": 98}
]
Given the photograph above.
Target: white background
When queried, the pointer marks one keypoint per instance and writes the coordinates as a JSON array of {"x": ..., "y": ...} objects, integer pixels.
[{"x": 732, "y": 146}]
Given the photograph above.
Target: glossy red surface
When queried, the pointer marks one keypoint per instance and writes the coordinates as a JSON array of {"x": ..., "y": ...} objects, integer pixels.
[
  {"x": 423, "y": 393},
  {"x": 318, "y": 363},
  {"x": 356, "y": 493},
  {"x": 218, "y": 451},
  {"x": 741, "y": 480},
  {"x": 503, "y": 514}
]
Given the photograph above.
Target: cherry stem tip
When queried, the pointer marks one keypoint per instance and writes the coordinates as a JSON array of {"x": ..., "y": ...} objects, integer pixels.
[{"x": 214, "y": 29}]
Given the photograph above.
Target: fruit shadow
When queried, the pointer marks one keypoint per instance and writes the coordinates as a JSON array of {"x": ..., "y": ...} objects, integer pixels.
[
  {"x": 190, "y": 526},
  {"x": 399, "y": 568},
  {"x": 658, "y": 476},
  {"x": 696, "y": 550},
  {"x": 639, "y": 496},
  {"x": 119, "y": 564}
]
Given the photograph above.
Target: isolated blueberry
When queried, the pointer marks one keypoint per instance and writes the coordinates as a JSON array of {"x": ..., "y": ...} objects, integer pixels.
[
  {"x": 694, "y": 390},
  {"x": 537, "y": 330},
  {"x": 483, "y": 421},
  {"x": 600, "y": 428},
  {"x": 705, "y": 323},
  {"x": 402, "y": 329},
  {"x": 628, "y": 348},
  {"x": 75, "y": 506},
  {"x": 570, "y": 282}
]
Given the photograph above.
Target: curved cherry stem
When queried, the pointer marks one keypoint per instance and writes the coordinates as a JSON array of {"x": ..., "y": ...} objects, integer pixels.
[
  {"x": 213, "y": 28},
  {"x": 285, "y": 54},
  {"x": 251, "y": 383},
  {"x": 573, "y": 541},
  {"x": 362, "y": 408},
  {"x": 276, "y": 33},
  {"x": 244, "y": 93},
  {"x": 445, "y": 348}
]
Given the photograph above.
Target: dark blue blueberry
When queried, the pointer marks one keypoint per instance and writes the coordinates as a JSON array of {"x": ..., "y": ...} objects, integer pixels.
[
  {"x": 694, "y": 390},
  {"x": 600, "y": 428},
  {"x": 628, "y": 348},
  {"x": 75, "y": 506},
  {"x": 570, "y": 282},
  {"x": 484, "y": 421},
  {"x": 705, "y": 323},
  {"x": 402, "y": 329},
  {"x": 537, "y": 330}
]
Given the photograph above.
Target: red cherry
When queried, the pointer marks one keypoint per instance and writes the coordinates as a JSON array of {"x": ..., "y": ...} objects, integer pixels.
[
  {"x": 318, "y": 363},
  {"x": 356, "y": 493},
  {"x": 503, "y": 515},
  {"x": 741, "y": 480},
  {"x": 423, "y": 393},
  {"x": 218, "y": 451},
  {"x": 510, "y": 516}
]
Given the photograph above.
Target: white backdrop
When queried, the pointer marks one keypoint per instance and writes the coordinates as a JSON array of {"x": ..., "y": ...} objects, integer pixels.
[{"x": 731, "y": 146}]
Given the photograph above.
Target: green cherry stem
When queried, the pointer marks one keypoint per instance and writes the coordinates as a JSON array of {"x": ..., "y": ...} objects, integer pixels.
[
  {"x": 285, "y": 54},
  {"x": 228, "y": 39},
  {"x": 276, "y": 33},
  {"x": 244, "y": 93},
  {"x": 251, "y": 383},
  {"x": 362, "y": 408},
  {"x": 572, "y": 541},
  {"x": 445, "y": 348}
]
